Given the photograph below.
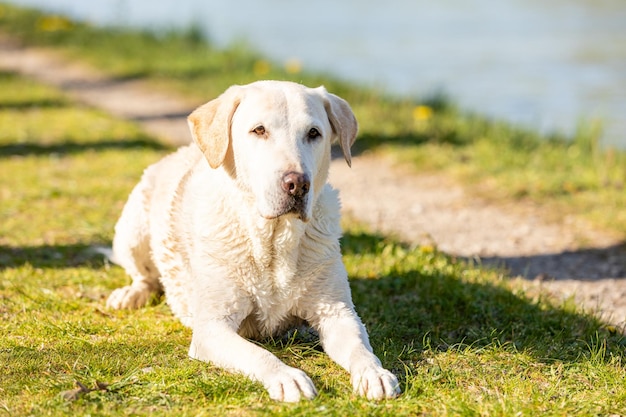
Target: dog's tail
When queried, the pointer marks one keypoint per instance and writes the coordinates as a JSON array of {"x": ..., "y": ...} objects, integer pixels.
[{"x": 105, "y": 251}]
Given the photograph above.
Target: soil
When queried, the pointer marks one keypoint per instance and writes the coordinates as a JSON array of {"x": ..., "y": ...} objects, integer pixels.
[{"x": 566, "y": 258}]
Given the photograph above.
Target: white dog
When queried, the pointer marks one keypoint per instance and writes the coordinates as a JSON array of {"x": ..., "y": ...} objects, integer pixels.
[{"x": 242, "y": 232}]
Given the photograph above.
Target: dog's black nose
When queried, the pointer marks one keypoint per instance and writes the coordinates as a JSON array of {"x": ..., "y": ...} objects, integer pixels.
[{"x": 296, "y": 184}]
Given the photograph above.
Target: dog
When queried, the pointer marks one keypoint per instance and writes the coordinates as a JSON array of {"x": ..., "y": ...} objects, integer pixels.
[{"x": 241, "y": 231}]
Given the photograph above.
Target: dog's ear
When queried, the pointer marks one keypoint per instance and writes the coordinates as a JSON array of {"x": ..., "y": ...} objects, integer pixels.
[
  {"x": 343, "y": 122},
  {"x": 210, "y": 125}
]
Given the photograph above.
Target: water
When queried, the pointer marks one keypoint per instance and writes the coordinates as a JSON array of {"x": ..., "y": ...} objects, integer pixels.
[{"x": 546, "y": 65}]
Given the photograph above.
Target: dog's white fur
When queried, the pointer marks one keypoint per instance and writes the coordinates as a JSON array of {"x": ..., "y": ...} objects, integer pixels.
[{"x": 236, "y": 253}]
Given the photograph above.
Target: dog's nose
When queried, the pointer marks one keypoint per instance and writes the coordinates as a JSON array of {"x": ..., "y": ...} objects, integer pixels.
[{"x": 296, "y": 184}]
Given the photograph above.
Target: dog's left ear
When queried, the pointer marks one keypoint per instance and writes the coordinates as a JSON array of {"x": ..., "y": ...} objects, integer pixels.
[
  {"x": 210, "y": 125},
  {"x": 342, "y": 120}
]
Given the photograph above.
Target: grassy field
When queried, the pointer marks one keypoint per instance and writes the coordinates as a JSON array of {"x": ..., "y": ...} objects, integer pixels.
[
  {"x": 462, "y": 340},
  {"x": 563, "y": 175}
]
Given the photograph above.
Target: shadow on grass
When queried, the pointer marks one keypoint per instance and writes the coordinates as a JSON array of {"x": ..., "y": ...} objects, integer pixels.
[
  {"x": 33, "y": 104},
  {"x": 431, "y": 305},
  {"x": 372, "y": 141},
  {"x": 585, "y": 264},
  {"x": 70, "y": 147},
  {"x": 51, "y": 256}
]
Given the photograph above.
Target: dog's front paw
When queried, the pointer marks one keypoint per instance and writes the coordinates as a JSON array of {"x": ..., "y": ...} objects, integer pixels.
[
  {"x": 375, "y": 383},
  {"x": 290, "y": 385},
  {"x": 131, "y": 296}
]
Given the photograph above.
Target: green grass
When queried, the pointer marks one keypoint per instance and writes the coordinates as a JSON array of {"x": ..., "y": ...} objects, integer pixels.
[
  {"x": 564, "y": 175},
  {"x": 463, "y": 340}
]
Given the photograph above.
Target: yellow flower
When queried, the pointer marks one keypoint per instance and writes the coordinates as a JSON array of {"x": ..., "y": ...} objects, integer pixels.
[
  {"x": 422, "y": 113},
  {"x": 569, "y": 187},
  {"x": 293, "y": 66},
  {"x": 54, "y": 23},
  {"x": 261, "y": 68},
  {"x": 427, "y": 249}
]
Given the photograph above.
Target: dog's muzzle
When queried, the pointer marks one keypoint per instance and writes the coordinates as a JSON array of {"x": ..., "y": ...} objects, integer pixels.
[{"x": 296, "y": 186}]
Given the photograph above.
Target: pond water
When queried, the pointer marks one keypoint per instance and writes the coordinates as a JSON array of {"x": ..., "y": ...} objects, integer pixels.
[{"x": 548, "y": 65}]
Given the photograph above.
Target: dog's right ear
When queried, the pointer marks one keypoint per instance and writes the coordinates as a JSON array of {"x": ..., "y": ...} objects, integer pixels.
[{"x": 210, "y": 125}]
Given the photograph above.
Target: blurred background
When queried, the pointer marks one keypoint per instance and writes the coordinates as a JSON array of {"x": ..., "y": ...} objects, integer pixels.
[{"x": 545, "y": 65}]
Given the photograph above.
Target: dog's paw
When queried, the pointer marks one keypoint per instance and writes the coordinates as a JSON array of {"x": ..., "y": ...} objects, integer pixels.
[
  {"x": 129, "y": 297},
  {"x": 375, "y": 383},
  {"x": 290, "y": 385}
]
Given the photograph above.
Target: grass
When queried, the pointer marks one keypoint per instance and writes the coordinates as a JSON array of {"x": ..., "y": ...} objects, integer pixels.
[
  {"x": 463, "y": 340},
  {"x": 564, "y": 175}
]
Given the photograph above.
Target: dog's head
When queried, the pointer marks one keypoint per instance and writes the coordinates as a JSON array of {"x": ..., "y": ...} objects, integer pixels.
[{"x": 274, "y": 138}]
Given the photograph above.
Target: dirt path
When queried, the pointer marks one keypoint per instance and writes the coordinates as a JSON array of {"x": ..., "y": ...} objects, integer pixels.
[
  {"x": 431, "y": 209},
  {"x": 566, "y": 259}
]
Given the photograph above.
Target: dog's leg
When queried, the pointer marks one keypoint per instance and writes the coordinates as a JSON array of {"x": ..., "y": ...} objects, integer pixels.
[
  {"x": 217, "y": 342},
  {"x": 145, "y": 284},
  {"x": 131, "y": 250},
  {"x": 345, "y": 340}
]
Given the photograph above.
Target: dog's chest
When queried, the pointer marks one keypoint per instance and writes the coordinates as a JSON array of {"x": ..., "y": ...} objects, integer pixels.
[{"x": 273, "y": 277}]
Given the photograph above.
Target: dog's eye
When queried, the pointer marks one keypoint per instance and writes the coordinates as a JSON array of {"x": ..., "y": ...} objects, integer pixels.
[
  {"x": 259, "y": 130},
  {"x": 313, "y": 134}
]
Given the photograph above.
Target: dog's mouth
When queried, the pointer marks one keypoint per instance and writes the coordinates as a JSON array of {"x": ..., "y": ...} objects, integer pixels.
[
  {"x": 299, "y": 209},
  {"x": 290, "y": 207}
]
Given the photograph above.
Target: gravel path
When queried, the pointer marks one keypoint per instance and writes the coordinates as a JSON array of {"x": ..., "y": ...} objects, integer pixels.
[{"x": 567, "y": 259}]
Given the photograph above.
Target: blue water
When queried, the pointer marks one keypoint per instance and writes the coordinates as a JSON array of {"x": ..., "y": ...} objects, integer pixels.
[{"x": 545, "y": 64}]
